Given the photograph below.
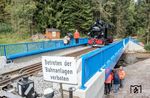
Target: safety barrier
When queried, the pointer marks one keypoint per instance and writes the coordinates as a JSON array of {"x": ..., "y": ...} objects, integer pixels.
[
  {"x": 12, "y": 51},
  {"x": 105, "y": 57}
]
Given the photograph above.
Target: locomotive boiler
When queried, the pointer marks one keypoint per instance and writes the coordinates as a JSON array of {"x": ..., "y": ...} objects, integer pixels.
[{"x": 100, "y": 34}]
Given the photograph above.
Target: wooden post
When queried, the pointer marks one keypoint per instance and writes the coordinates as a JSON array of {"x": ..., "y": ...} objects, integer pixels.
[{"x": 61, "y": 90}]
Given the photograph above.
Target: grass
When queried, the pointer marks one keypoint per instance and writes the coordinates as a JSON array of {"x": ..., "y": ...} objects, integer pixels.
[
  {"x": 12, "y": 38},
  {"x": 9, "y": 38}
]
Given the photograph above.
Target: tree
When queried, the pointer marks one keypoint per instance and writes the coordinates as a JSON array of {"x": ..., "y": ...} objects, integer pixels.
[
  {"x": 143, "y": 20},
  {"x": 77, "y": 15},
  {"x": 65, "y": 15},
  {"x": 123, "y": 17},
  {"x": 129, "y": 18},
  {"x": 21, "y": 15},
  {"x": 48, "y": 14},
  {"x": 34, "y": 16},
  {"x": 3, "y": 14},
  {"x": 4, "y": 17}
]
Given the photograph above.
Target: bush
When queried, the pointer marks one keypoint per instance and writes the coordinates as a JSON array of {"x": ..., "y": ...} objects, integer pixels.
[
  {"x": 5, "y": 28},
  {"x": 147, "y": 47}
]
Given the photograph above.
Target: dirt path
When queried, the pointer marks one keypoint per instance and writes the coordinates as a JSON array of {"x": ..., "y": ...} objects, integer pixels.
[{"x": 137, "y": 74}]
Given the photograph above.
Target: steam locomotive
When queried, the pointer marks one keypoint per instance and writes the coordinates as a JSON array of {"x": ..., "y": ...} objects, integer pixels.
[{"x": 99, "y": 34}]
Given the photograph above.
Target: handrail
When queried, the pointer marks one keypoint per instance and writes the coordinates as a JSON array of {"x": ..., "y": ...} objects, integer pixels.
[
  {"x": 105, "y": 57},
  {"x": 22, "y": 49}
]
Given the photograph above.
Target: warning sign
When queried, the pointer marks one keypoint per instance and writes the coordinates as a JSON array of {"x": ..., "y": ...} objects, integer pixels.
[{"x": 59, "y": 69}]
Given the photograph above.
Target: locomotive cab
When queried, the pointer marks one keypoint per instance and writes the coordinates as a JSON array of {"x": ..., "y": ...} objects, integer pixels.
[{"x": 99, "y": 34}]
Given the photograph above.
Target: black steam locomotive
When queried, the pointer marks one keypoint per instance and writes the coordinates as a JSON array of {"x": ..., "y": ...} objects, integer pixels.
[{"x": 100, "y": 34}]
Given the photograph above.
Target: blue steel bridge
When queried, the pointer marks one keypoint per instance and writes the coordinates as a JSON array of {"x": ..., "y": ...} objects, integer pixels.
[{"x": 102, "y": 58}]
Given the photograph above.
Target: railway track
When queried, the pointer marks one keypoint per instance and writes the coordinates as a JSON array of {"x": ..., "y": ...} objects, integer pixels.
[
  {"x": 16, "y": 74},
  {"x": 11, "y": 76}
]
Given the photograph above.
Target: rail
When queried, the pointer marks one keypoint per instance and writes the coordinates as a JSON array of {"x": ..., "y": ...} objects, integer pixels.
[
  {"x": 105, "y": 57},
  {"x": 12, "y": 51},
  {"x": 32, "y": 69}
]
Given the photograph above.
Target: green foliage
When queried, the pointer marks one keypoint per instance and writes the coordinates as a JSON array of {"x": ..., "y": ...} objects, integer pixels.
[
  {"x": 3, "y": 14},
  {"x": 34, "y": 16},
  {"x": 21, "y": 14},
  {"x": 142, "y": 22},
  {"x": 5, "y": 27},
  {"x": 147, "y": 47},
  {"x": 77, "y": 15},
  {"x": 48, "y": 14},
  {"x": 65, "y": 15}
]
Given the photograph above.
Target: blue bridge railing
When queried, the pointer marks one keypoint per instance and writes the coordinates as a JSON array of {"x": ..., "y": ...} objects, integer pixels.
[
  {"x": 12, "y": 51},
  {"x": 105, "y": 57}
]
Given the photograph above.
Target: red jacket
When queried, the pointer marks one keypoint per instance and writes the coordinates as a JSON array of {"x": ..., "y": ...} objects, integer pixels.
[
  {"x": 109, "y": 79},
  {"x": 76, "y": 35}
]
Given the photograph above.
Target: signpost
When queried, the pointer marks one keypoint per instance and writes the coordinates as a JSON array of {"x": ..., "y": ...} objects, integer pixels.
[{"x": 59, "y": 69}]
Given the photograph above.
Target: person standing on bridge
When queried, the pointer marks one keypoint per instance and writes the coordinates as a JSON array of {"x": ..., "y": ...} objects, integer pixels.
[
  {"x": 116, "y": 81},
  {"x": 66, "y": 39},
  {"x": 122, "y": 74},
  {"x": 76, "y": 36},
  {"x": 108, "y": 82}
]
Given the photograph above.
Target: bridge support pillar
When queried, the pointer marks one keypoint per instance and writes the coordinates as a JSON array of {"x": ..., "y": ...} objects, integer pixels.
[
  {"x": 3, "y": 61},
  {"x": 94, "y": 87}
]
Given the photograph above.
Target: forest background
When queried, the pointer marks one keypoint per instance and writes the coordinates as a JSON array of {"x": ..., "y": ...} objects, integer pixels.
[{"x": 20, "y": 19}]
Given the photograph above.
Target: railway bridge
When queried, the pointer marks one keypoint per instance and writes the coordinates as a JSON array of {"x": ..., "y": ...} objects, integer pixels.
[{"x": 93, "y": 64}]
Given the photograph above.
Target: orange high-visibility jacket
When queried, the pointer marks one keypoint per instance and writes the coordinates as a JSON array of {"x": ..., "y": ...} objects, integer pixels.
[
  {"x": 109, "y": 79},
  {"x": 76, "y": 35},
  {"x": 121, "y": 74}
]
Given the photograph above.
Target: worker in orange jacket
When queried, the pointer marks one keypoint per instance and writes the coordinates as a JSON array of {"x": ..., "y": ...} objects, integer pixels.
[
  {"x": 76, "y": 36},
  {"x": 108, "y": 82},
  {"x": 122, "y": 75}
]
